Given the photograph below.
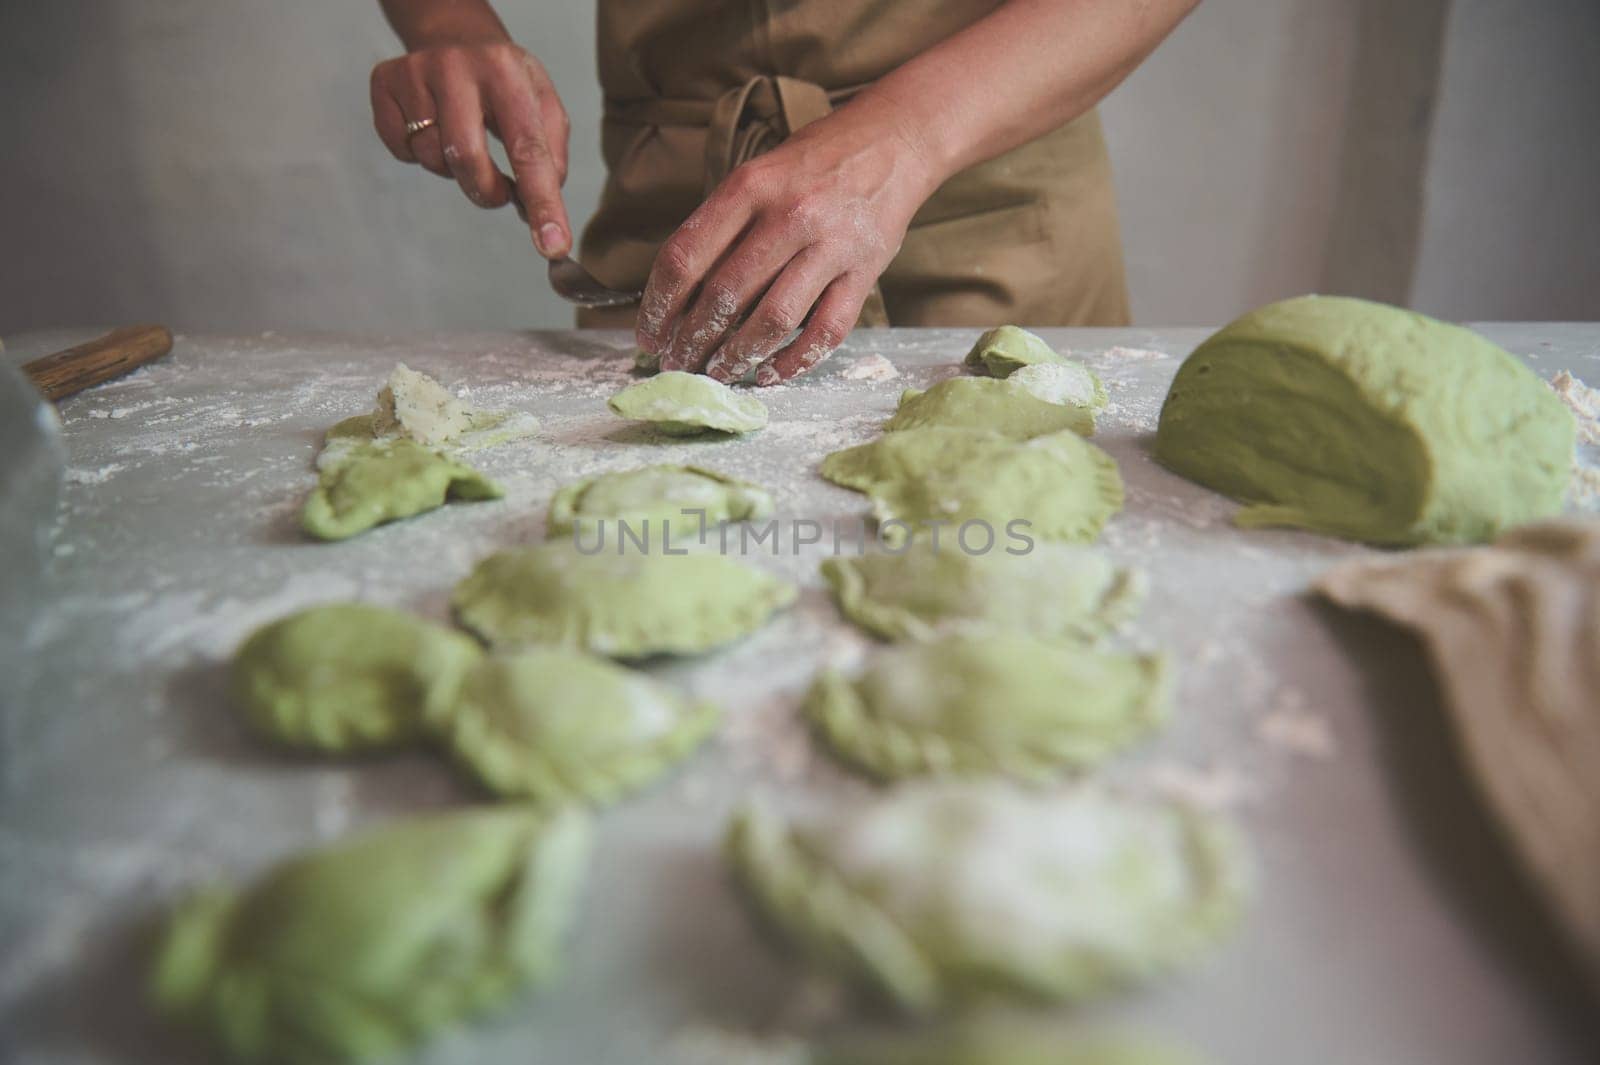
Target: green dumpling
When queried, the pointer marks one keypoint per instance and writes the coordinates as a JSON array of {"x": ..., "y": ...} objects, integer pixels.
[
  {"x": 386, "y": 480},
  {"x": 348, "y": 676},
  {"x": 1002, "y": 351},
  {"x": 1071, "y": 383},
  {"x": 1056, "y": 487},
  {"x": 983, "y": 403},
  {"x": 942, "y": 894},
  {"x": 364, "y": 949},
  {"x": 1054, "y": 591},
  {"x": 1367, "y": 422},
  {"x": 1007, "y": 704},
  {"x": 690, "y": 498},
  {"x": 684, "y": 404},
  {"x": 557, "y": 726},
  {"x": 625, "y": 604}
]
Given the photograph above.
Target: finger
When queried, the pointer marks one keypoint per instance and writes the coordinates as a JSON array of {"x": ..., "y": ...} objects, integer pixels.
[
  {"x": 687, "y": 256},
  {"x": 416, "y": 103},
  {"x": 732, "y": 290},
  {"x": 517, "y": 115},
  {"x": 557, "y": 126},
  {"x": 466, "y": 144},
  {"x": 831, "y": 321},
  {"x": 781, "y": 310},
  {"x": 387, "y": 117}
]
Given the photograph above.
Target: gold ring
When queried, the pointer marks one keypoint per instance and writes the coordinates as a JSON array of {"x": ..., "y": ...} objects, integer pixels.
[{"x": 414, "y": 128}]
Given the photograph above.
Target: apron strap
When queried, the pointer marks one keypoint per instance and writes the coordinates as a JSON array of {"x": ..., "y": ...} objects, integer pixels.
[{"x": 755, "y": 118}]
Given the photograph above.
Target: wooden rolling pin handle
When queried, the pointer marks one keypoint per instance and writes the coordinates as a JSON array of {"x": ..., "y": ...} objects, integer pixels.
[{"x": 118, "y": 352}]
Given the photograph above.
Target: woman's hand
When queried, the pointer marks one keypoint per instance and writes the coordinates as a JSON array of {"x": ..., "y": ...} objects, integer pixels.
[
  {"x": 470, "y": 90},
  {"x": 794, "y": 238}
]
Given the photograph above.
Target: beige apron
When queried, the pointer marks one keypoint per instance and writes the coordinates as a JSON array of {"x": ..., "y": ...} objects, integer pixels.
[{"x": 693, "y": 88}]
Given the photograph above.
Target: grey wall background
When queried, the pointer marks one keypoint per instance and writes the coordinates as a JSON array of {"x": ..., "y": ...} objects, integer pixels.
[{"x": 211, "y": 164}]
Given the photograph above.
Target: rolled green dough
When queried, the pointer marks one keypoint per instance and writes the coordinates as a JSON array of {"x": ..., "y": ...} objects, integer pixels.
[{"x": 1367, "y": 422}]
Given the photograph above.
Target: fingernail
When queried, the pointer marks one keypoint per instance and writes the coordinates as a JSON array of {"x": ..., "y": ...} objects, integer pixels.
[
  {"x": 767, "y": 375},
  {"x": 550, "y": 237}
]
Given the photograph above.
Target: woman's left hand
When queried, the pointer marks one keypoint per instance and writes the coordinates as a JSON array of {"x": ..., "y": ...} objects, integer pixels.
[{"x": 793, "y": 238}]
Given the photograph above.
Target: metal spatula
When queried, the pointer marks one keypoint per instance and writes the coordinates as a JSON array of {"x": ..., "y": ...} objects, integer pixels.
[{"x": 577, "y": 285}]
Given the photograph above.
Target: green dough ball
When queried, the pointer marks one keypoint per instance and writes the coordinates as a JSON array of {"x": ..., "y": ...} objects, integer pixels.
[
  {"x": 1054, "y": 487},
  {"x": 347, "y": 676},
  {"x": 1071, "y": 383},
  {"x": 1367, "y": 422},
  {"x": 364, "y": 949},
  {"x": 994, "y": 1042},
  {"x": 373, "y": 483},
  {"x": 625, "y": 604},
  {"x": 688, "y": 497},
  {"x": 559, "y": 726},
  {"x": 940, "y": 894},
  {"x": 1055, "y": 591},
  {"x": 990, "y": 704},
  {"x": 684, "y": 404},
  {"x": 1001, "y": 352},
  {"x": 981, "y": 403}
]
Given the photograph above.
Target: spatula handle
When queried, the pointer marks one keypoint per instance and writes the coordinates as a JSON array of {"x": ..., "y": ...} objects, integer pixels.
[{"x": 119, "y": 351}]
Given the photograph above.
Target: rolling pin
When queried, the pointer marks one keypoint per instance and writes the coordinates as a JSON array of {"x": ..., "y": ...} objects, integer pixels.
[{"x": 118, "y": 352}]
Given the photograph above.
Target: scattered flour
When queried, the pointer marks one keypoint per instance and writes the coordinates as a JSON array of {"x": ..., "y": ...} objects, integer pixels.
[
  {"x": 95, "y": 476},
  {"x": 1584, "y": 490},
  {"x": 872, "y": 367},
  {"x": 1298, "y": 732},
  {"x": 1583, "y": 401},
  {"x": 1216, "y": 787}
]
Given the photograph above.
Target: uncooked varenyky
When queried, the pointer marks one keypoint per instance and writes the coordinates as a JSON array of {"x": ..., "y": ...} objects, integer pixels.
[
  {"x": 941, "y": 894},
  {"x": 364, "y": 949}
]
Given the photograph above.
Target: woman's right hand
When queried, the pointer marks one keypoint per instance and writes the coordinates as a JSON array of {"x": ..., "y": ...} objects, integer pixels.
[{"x": 471, "y": 91}]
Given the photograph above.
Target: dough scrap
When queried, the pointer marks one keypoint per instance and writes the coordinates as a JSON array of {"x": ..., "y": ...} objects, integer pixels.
[
  {"x": 1071, "y": 383},
  {"x": 684, "y": 404},
  {"x": 1367, "y": 422},
  {"x": 984, "y": 403},
  {"x": 944, "y": 893},
  {"x": 348, "y": 676},
  {"x": 619, "y": 603},
  {"x": 1064, "y": 486},
  {"x": 1002, "y": 351},
  {"x": 559, "y": 726},
  {"x": 366, "y": 948},
  {"x": 690, "y": 498},
  {"x": 1011, "y": 705},
  {"x": 1513, "y": 633},
  {"x": 386, "y": 480},
  {"x": 1055, "y": 591},
  {"x": 413, "y": 406}
]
